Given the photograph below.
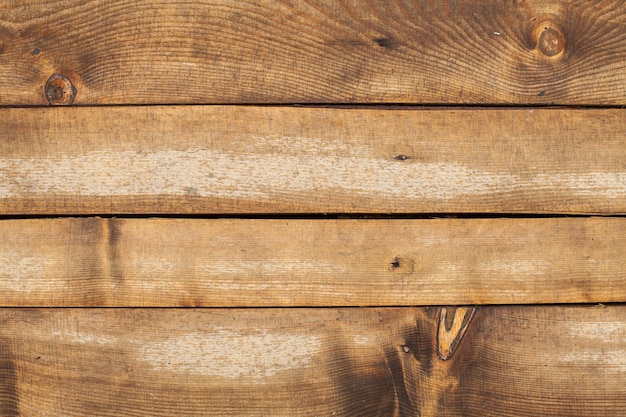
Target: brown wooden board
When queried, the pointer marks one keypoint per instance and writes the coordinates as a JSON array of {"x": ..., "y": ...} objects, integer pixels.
[
  {"x": 511, "y": 361},
  {"x": 314, "y": 51},
  {"x": 250, "y": 263},
  {"x": 234, "y": 159}
]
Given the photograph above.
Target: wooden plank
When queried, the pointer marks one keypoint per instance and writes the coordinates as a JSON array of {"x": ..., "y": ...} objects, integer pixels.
[
  {"x": 205, "y": 159},
  {"x": 312, "y": 51},
  {"x": 512, "y": 361},
  {"x": 251, "y": 263}
]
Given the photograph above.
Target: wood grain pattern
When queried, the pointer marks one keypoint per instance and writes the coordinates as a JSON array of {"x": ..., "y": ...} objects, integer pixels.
[
  {"x": 205, "y": 159},
  {"x": 512, "y": 361},
  {"x": 313, "y": 51},
  {"x": 251, "y": 263}
]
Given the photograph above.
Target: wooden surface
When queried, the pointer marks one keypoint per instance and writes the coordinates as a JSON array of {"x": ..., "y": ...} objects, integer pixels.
[
  {"x": 397, "y": 314},
  {"x": 312, "y": 51},
  {"x": 511, "y": 361},
  {"x": 205, "y": 159},
  {"x": 251, "y": 263}
]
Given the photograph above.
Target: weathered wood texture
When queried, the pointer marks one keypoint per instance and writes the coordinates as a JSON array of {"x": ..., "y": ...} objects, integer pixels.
[
  {"x": 320, "y": 51},
  {"x": 205, "y": 159},
  {"x": 172, "y": 262},
  {"x": 512, "y": 361}
]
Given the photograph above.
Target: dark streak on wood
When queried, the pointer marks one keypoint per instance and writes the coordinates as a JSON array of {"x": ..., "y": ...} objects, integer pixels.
[
  {"x": 9, "y": 394},
  {"x": 362, "y": 392},
  {"x": 395, "y": 360},
  {"x": 113, "y": 238}
]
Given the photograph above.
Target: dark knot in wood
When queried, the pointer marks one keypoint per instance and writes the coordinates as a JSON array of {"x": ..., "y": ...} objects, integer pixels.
[{"x": 59, "y": 90}]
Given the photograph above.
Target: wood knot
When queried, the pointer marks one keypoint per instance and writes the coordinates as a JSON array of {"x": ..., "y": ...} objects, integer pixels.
[
  {"x": 550, "y": 39},
  {"x": 5, "y": 39},
  {"x": 403, "y": 266},
  {"x": 453, "y": 323},
  {"x": 386, "y": 42},
  {"x": 59, "y": 90}
]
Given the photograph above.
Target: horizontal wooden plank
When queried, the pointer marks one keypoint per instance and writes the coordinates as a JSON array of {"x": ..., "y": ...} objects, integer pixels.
[
  {"x": 171, "y": 262},
  {"x": 313, "y": 51},
  {"x": 512, "y": 361},
  {"x": 205, "y": 159}
]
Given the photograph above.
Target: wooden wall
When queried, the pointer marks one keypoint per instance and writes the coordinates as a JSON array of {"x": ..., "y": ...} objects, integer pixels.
[{"x": 312, "y": 208}]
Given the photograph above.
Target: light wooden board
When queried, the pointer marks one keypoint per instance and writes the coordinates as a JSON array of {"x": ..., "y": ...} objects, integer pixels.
[
  {"x": 171, "y": 262},
  {"x": 313, "y": 51},
  {"x": 511, "y": 361},
  {"x": 205, "y": 159}
]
